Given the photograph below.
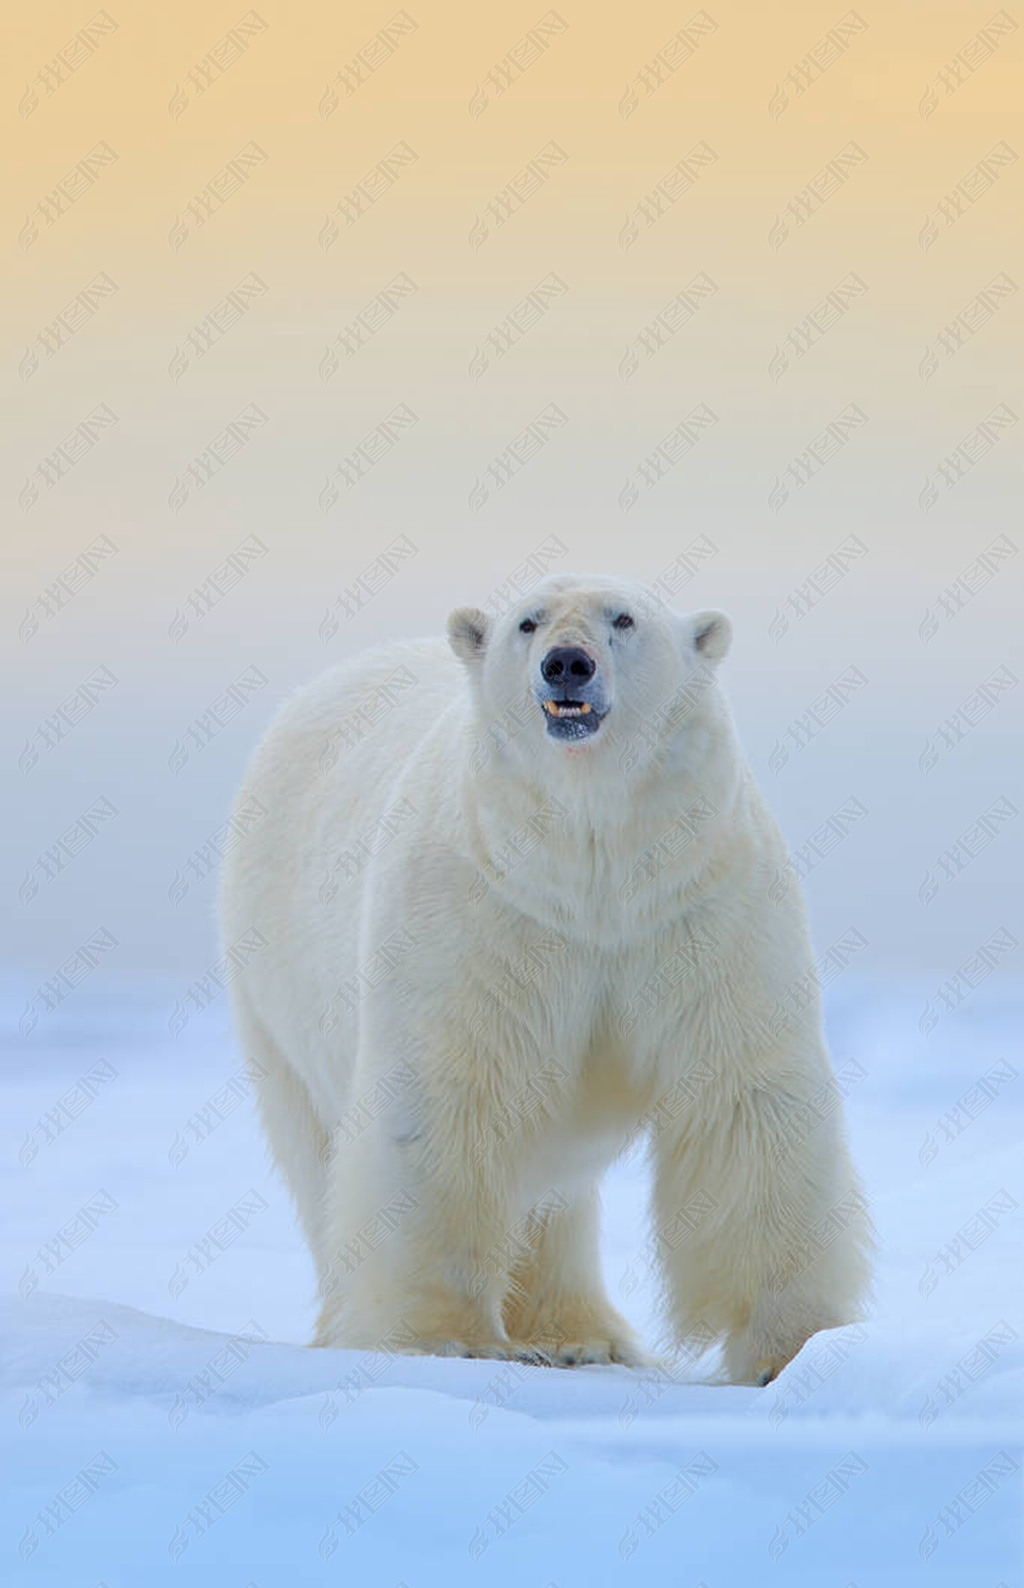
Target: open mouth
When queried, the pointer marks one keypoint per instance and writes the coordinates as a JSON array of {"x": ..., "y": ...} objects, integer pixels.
[{"x": 572, "y": 719}]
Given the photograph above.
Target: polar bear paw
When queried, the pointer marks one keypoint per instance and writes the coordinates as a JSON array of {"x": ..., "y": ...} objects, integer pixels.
[
  {"x": 499, "y": 1350},
  {"x": 601, "y": 1350},
  {"x": 604, "y": 1351},
  {"x": 748, "y": 1360}
]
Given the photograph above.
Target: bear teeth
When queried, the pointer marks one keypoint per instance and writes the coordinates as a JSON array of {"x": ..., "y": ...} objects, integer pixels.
[{"x": 557, "y": 709}]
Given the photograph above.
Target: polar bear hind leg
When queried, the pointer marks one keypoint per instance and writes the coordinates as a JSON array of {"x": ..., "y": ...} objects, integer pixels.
[
  {"x": 299, "y": 1141},
  {"x": 557, "y": 1304}
]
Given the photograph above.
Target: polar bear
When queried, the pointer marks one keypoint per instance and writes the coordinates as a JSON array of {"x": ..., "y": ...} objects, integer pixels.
[{"x": 520, "y": 899}]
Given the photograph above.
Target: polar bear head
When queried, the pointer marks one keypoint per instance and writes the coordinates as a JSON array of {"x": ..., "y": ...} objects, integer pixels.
[{"x": 593, "y": 667}]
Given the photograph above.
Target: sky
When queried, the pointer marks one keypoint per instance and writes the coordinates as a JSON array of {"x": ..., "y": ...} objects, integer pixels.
[{"x": 322, "y": 322}]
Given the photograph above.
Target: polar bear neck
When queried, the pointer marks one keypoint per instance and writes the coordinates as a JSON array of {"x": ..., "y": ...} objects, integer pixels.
[{"x": 575, "y": 841}]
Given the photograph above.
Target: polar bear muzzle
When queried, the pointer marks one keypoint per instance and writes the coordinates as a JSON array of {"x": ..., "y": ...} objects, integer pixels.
[{"x": 572, "y": 694}]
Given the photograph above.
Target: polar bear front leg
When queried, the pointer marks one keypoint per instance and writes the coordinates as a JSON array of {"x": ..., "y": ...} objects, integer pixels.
[
  {"x": 414, "y": 1250},
  {"x": 761, "y": 1230}
]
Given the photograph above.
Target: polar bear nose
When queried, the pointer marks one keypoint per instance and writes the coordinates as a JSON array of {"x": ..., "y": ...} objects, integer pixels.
[{"x": 567, "y": 663}]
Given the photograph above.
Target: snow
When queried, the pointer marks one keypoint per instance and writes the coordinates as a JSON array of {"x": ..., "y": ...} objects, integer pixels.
[{"x": 165, "y": 1423}]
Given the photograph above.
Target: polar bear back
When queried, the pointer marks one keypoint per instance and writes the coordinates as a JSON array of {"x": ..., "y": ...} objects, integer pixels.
[{"x": 316, "y": 785}]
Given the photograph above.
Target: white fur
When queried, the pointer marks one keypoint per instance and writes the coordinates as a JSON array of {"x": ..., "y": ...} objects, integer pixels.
[{"x": 514, "y": 1015}]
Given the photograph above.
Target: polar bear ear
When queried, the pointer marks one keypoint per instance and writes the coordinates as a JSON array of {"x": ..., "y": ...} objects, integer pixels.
[
  {"x": 468, "y": 630},
  {"x": 711, "y": 633}
]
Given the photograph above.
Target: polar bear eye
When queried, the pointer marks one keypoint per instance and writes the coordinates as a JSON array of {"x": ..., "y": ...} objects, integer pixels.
[
  {"x": 527, "y": 626},
  {"x": 623, "y": 621}
]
